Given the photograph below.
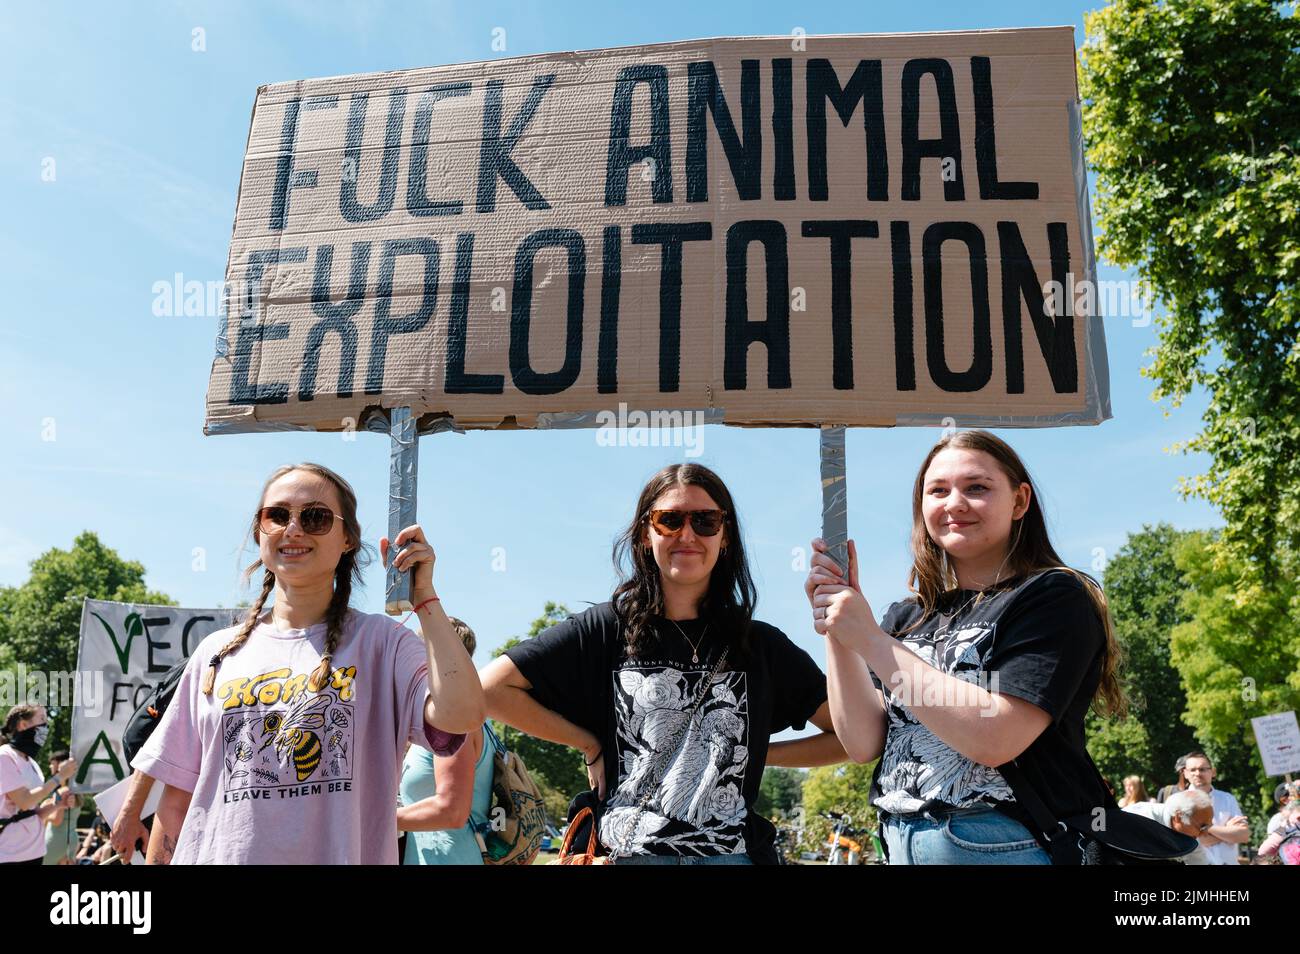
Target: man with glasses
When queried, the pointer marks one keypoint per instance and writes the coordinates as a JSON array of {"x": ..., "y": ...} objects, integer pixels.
[
  {"x": 1189, "y": 812},
  {"x": 1229, "y": 828}
]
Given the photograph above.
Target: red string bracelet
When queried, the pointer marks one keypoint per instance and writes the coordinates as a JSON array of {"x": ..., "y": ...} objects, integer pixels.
[{"x": 431, "y": 599}]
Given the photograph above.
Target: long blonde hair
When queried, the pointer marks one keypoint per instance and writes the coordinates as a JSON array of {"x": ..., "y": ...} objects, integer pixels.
[
  {"x": 1031, "y": 551},
  {"x": 348, "y": 572}
]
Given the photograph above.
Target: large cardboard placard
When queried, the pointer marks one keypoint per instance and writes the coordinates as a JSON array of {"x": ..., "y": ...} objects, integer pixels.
[
  {"x": 133, "y": 645},
  {"x": 779, "y": 231}
]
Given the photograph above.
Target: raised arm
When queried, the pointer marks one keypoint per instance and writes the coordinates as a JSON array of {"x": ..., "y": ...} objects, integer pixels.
[
  {"x": 856, "y": 706},
  {"x": 455, "y": 695}
]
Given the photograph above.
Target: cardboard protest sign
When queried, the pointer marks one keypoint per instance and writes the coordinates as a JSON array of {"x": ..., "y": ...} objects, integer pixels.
[
  {"x": 863, "y": 230},
  {"x": 1278, "y": 738},
  {"x": 133, "y": 645}
]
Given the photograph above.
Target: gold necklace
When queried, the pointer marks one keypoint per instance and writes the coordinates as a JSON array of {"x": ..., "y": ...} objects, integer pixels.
[{"x": 695, "y": 647}]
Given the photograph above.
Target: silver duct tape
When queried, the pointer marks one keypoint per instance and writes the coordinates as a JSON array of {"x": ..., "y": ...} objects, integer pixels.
[
  {"x": 835, "y": 498},
  {"x": 1098, "y": 383},
  {"x": 404, "y": 462},
  {"x": 253, "y": 427}
]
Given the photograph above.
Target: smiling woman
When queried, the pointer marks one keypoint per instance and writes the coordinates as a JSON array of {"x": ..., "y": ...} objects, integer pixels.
[
  {"x": 672, "y": 689},
  {"x": 284, "y": 741},
  {"x": 994, "y": 659}
]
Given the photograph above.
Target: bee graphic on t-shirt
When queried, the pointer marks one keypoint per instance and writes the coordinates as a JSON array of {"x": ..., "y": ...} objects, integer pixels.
[{"x": 291, "y": 731}]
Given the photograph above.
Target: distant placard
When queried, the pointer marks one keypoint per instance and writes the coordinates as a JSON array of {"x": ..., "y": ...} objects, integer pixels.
[
  {"x": 133, "y": 645},
  {"x": 1278, "y": 738},
  {"x": 866, "y": 230}
]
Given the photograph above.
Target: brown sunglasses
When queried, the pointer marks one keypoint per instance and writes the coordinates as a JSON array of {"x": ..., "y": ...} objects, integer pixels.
[
  {"x": 316, "y": 519},
  {"x": 669, "y": 523}
]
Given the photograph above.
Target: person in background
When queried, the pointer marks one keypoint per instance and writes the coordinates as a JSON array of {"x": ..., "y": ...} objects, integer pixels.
[
  {"x": 1285, "y": 841},
  {"x": 1180, "y": 781},
  {"x": 1284, "y": 795},
  {"x": 445, "y": 800},
  {"x": 1229, "y": 828},
  {"x": 61, "y": 825},
  {"x": 1189, "y": 812},
  {"x": 96, "y": 848},
  {"x": 23, "y": 787},
  {"x": 1134, "y": 792}
]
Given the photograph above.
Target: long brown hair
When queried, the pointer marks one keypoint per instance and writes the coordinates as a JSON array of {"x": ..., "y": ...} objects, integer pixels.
[
  {"x": 1031, "y": 551},
  {"x": 347, "y": 573},
  {"x": 731, "y": 596}
]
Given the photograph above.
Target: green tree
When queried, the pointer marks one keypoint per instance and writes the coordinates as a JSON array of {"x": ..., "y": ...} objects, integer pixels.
[
  {"x": 1236, "y": 662},
  {"x": 843, "y": 788},
  {"x": 1192, "y": 114},
  {"x": 1144, "y": 588},
  {"x": 780, "y": 791},
  {"x": 41, "y": 619},
  {"x": 559, "y": 770}
]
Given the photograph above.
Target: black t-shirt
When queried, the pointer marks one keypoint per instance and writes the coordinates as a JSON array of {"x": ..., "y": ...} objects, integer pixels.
[
  {"x": 1038, "y": 639},
  {"x": 637, "y": 708}
]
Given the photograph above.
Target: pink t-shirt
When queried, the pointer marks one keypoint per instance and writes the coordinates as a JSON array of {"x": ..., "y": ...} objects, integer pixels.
[
  {"x": 280, "y": 775},
  {"x": 24, "y": 840}
]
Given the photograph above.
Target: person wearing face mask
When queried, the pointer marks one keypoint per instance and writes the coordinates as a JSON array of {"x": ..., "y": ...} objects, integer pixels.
[{"x": 23, "y": 787}]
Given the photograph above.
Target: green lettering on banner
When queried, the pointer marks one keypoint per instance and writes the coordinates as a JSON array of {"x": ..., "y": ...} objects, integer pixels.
[
  {"x": 134, "y": 627},
  {"x": 110, "y": 759}
]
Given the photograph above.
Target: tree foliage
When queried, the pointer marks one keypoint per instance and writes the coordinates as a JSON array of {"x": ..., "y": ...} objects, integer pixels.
[
  {"x": 1192, "y": 114},
  {"x": 843, "y": 788},
  {"x": 41, "y": 619},
  {"x": 1237, "y": 659},
  {"x": 780, "y": 791},
  {"x": 1144, "y": 588}
]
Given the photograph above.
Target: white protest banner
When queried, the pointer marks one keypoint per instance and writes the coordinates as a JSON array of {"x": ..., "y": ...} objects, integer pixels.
[
  {"x": 133, "y": 645},
  {"x": 1278, "y": 738},
  {"x": 858, "y": 230}
]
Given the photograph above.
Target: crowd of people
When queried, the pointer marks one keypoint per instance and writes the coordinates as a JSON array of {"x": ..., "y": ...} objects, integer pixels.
[
  {"x": 1192, "y": 805},
  {"x": 312, "y": 733}
]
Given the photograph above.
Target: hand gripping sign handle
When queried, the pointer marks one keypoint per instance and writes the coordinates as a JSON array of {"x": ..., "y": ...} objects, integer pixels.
[
  {"x": 403, "y": 465},
  {"x": 835, "y": 500}
]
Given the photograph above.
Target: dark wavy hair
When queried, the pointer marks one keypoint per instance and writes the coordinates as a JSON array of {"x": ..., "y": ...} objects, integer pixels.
[{"x": 728, "y": 604}]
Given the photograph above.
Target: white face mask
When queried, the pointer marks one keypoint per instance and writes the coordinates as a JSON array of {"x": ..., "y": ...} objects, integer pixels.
[{"x": 41, "y": 734}]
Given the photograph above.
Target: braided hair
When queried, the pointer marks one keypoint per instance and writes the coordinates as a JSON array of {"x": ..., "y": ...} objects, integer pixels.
[{"x": 346, "y": 573}]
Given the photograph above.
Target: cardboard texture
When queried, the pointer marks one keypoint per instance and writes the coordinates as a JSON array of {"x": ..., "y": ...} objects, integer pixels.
[{"x": 780, "y": 231}]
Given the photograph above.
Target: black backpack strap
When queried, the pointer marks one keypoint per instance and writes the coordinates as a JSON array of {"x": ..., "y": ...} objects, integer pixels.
[{"x": 1028, "y": 799}]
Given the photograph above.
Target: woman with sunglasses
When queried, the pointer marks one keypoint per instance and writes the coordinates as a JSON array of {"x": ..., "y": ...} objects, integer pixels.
[
  {"x": 24, "y": 790},
  {"x": 284, "y": 740},
  {"x": 996, "y": 656},
  {"x": 671, "y": 690}
]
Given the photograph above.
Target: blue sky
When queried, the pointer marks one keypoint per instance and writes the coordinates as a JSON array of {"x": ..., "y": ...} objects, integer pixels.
[{"x": 147, "y": 138}]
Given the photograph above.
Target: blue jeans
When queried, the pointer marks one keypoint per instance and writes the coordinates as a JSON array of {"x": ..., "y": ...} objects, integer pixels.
[
  {"x": 967, "y": 836},
  {"x": 684, "y": 860}
]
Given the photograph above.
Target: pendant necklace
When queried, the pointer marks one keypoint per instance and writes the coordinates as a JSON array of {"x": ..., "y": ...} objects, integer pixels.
[{"x": 695, "y": 646}]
